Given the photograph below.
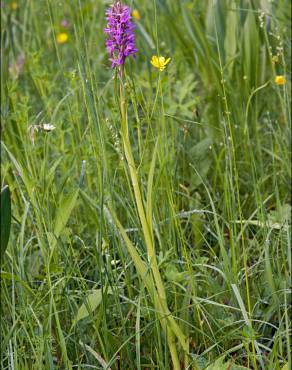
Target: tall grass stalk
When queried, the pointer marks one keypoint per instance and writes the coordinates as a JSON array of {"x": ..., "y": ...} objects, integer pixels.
[{"x": 168, "y": 324}]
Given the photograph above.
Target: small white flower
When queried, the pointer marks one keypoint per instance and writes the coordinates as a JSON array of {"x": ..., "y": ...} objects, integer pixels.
[{"x": 48, "y": 127}]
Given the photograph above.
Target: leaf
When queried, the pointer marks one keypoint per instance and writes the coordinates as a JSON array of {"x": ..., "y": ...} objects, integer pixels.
[
  {"x": 247, "y": 320},
  {"x": 172, "y": 274},
  {"x": 92, "y": 301},
  {"x": 97, "y": 356},
  {"x": 200, "y": 150},
  {"x": 202, "y": 167},
  {"x": 5, "y": 219},
  {"x": 219, "y": 364},
  {"x": 281, "y": 215},
  {"x": 149, "y": 188},
  {"x": 51, "y": 173},
  {"x": 23, "y": 172},
  {"x": 238, "y": 367},
  {"x": 186, "y": 87},
  {"x": 251, "y": 49},
  {"x": 8, "y": 276},
  {"x": 230, "y": 40},
  {"x": 199, "y": 155},
  {"x": 249, "y": 333},
  {"x": 64, "y": 211},
  {"x": 197, "y": 229},
  {"x": 261, "y": 224},
  {"x": 200, "y": 361},
  {"x": 215, "y": 21},
  {"x": 144, "y": 274}
]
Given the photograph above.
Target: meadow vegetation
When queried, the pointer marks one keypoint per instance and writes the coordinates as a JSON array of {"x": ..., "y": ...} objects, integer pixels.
[{"x": 210, "y": 136}]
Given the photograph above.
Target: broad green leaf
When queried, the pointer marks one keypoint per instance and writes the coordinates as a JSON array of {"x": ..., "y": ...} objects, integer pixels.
[
  {"x": 172, "y": 274},
  {"x": 214, "y": 22},
  {"x": 51, "y": 173},
  {"x": 5, "y": 219},
  {"x": 201, "y": 361},
  {"x": 238, "y": 367},
  {"x": 200, "y": 150},
  {"x": 197, "y": 228},
  {"x": 280, "y": 215},
  {"x": 251, "y": 49},
  {"x": 64, "y": 211},
  {"x": 230, "y": 40},
  {"x": 202, "y": 167},
  {"x": 23, "y": 172},
  {"x": 249, "y": 333},
  {"x": 271, "y": 225},
  {"x": 220, "y": 364},
  {"x": 92, "y": 301},
  {"x": 200, "y": 156},
  {"x": 97, "y": 356},
  {"x": 269, "y": 272}
]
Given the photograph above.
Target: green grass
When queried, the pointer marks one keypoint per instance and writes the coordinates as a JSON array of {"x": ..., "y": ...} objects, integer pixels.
[{"x": 217, "y": 194}]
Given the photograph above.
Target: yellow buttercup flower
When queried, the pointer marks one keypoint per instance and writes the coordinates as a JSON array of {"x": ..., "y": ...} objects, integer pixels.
[
  {"x": 159, "y": 62},
  {"x": 280, "y": 80},
  {"x": 62, "y": 38},
  {"x": 136, "y": 15},
  {"x": 14, "y": 5}
]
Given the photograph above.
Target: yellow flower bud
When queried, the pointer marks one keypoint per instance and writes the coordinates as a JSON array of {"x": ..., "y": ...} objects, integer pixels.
[
  {"x": 62, "y": 38},
  {"x": 280, "y": 80},
  {"x": 136, "y": 15}
]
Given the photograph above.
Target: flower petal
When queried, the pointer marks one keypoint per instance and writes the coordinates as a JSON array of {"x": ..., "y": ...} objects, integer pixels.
[
  {"x": 154, "y": 60},
  {"x": 167, "y": 61}
]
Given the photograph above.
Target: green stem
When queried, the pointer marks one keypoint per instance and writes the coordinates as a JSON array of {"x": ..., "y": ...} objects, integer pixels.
[
  {"x": 173, "y": 328},
  {"x": 138, "y": 198},
  {"x": 173, "y": 351}
]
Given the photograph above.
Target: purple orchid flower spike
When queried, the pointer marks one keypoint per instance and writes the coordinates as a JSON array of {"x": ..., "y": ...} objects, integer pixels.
[{"x": 120, "y": 30}]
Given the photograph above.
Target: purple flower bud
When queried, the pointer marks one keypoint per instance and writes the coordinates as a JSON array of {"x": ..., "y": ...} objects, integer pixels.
[
  {"x": 120, "y": 30},
  {"x": 65, "y": 23}
]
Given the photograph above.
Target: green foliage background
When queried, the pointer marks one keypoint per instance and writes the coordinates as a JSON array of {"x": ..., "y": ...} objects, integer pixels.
[{"x": 70, "y": 295}]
